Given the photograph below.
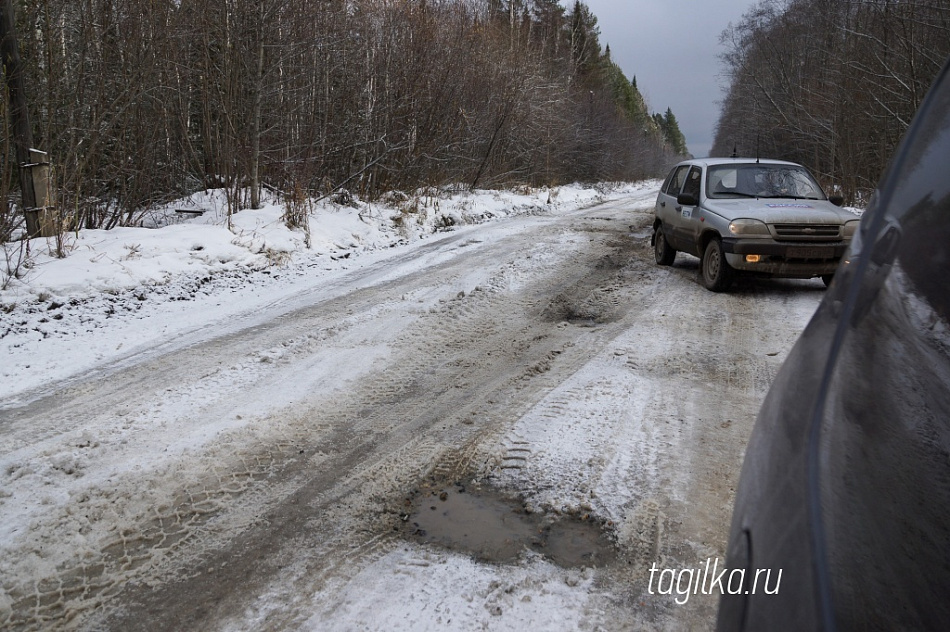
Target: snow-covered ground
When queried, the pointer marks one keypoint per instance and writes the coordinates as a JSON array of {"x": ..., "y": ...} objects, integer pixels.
[
  {"x": 119, "y": 289},
  {"x": 214, "y": 427}
]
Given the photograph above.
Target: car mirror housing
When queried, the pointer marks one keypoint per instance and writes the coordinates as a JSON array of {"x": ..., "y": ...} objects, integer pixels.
[
  {"x": 686, "y": 199},
  {"x": 837, "y": 200}
]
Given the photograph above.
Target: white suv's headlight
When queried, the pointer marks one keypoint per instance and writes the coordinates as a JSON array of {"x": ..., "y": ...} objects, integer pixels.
[
  {"x": 748, "y": 228},
  {"x": 851, "y": 227}
]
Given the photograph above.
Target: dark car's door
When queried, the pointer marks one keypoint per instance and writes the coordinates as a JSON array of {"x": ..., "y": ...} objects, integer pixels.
[{"x": 846, "y": 480}]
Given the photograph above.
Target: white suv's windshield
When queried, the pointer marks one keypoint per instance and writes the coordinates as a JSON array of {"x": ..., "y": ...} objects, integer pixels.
[{"x": 761, "y": 181}]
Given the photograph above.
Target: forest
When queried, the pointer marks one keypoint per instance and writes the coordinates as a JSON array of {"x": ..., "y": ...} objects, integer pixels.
[
  {"x": 832, "y": 84},
  {"x": 138, "y": 102}
]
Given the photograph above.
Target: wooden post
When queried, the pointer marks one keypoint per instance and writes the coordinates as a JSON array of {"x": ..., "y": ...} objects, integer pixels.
[{"x": 43, "y": 216}]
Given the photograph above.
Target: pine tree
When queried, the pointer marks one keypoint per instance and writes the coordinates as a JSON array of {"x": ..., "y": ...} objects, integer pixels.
[
  {"x": 671, "y": 131},
  {"x": 623, "y": 92},
  {"x": 585, "y": 38}
]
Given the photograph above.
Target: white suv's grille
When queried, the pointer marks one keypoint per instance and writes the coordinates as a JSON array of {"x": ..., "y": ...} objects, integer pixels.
[{"x": 816, "y": 232}]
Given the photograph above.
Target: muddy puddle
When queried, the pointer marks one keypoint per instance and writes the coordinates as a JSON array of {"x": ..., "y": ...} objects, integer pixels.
[{"x": 494, "y": 528}]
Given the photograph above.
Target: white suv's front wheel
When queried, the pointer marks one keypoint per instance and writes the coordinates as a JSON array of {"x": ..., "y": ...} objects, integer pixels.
[{"x": 717, "y": 273}]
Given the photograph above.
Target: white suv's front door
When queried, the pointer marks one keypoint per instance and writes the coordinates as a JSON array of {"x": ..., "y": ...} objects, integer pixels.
[
  {"x": 686, "y": 218},
  {"x": 666, "y": 206}
]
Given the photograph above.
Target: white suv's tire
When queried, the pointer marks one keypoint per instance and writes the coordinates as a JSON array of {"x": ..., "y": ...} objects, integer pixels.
[
  {"x": 716, "y": 271},
  {"x": 663, "y": 252}
]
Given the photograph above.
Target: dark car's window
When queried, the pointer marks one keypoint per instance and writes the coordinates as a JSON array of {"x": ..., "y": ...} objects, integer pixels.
[
  {"x": 761, "y": 180},
  {"x": 692, "y": 182},
  {"x": 675, "y": 182}
]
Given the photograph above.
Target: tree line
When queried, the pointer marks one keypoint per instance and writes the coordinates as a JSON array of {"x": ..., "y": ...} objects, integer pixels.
[
  {"x": 832, "y": 84},
  {"x": 138, "y": 102}
]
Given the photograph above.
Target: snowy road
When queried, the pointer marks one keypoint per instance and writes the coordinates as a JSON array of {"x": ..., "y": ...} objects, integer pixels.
[{"x": 257, "y": 472}]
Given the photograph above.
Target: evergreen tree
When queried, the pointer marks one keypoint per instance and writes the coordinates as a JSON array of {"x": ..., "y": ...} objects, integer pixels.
[
  {"x": 671, "y": 132},
  {"x": 548, "y": 16},
  {"x": 624, "y": 93},
  {"x": 584, "y": 38}
]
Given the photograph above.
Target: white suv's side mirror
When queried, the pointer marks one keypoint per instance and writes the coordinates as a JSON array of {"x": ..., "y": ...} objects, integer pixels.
[{"x": 687, "y": 199}]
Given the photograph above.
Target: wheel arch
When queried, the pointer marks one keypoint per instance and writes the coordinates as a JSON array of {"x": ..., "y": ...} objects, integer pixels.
[
  {"x": 705, "y": 237},
  {"x": 657, "y": 222}
]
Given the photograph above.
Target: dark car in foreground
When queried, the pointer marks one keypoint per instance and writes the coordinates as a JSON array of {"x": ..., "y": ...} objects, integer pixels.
[
  {"x": 765, "y": 217},
  {"x": 845, "y": 485}
]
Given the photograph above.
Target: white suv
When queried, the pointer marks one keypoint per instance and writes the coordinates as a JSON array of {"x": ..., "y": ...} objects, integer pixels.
[{"x": 765, "y": 217}]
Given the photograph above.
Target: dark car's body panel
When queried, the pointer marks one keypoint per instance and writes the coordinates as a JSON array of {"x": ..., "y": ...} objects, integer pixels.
[{"x": 846, "y": 479}]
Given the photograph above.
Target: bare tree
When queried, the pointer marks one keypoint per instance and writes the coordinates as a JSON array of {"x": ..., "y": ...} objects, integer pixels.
[
  {"x": 144, "y": 101},
  {"x": 831, "y": 84}
]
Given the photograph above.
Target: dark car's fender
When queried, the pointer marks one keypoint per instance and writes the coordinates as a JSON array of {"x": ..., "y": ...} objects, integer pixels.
[{"x": 846, "y": 479}]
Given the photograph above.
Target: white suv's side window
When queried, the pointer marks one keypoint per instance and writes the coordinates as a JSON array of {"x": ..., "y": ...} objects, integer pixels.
[
  {"x": 675, "y": 184},
  {"x": 692, "y": 182}
]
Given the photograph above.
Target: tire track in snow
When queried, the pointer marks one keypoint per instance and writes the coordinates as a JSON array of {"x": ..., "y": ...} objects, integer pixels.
[{"x": 460, "y": 363}]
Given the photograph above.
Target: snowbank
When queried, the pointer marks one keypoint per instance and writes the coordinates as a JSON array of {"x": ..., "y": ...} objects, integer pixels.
[{"x": 176, "y": 269}]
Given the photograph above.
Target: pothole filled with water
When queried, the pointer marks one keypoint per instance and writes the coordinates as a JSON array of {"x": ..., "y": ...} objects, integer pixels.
[{"x": 494, "y": 528}]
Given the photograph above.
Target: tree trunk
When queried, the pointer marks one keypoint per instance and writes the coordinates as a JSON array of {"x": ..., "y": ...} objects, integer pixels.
[
  {"x": 256, "y": 115},
  {"x": 19, "y": 113}
]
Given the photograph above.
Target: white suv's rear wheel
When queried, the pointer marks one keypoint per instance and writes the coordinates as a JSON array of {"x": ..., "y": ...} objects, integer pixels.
[{"x": 663, "y": 252}]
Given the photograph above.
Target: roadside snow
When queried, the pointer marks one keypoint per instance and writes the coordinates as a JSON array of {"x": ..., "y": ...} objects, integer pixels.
[{"x": 120, "y": 289}]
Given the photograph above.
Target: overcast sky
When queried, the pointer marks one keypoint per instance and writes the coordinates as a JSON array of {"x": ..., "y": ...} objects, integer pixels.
[{"x": 672, "y": 46}]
